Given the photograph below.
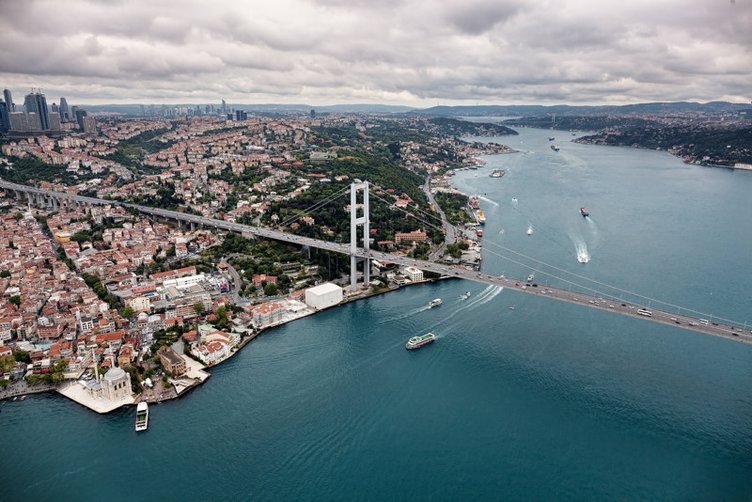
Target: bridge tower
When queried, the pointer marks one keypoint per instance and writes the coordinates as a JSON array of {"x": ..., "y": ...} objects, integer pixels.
[{"x": 355, "y": 222}]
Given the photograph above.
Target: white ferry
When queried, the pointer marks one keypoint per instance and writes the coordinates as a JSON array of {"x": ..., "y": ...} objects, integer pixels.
[
  {"x": 434, "y": 303},
  {"x": 417, "y": 342},
  {"x": 142, "y": 416}
]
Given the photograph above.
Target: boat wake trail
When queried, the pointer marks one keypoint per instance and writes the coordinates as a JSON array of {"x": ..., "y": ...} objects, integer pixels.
[
  {"x": 494, "y": 293},
  {"x": 407, "y": 314},
  {"x": 480, "y": 296},
  {"x": 488, "y": 200},
  {"x": 581, "y": 250}
]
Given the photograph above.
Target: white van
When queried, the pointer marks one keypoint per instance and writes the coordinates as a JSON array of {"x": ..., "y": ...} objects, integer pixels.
[{"x": 645, "y": 312}]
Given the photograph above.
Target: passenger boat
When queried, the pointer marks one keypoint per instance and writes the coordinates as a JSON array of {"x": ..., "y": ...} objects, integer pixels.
[
  {"x": 530, "y": 277},
  {"x": 417, "y": 342},
  {"x": 497, "y": 173},
  {"x": 466, "y": 295},
  {"x": 481, "y": 216},
  {"x": 584, "y": 212},
  {"x": 551, "y": 138},
  {"x": 142, "y": 416},
  {"x": 434, "y": 303},
  {"x": 530, "y": 230},
  {"x": 555, "y": 148}
]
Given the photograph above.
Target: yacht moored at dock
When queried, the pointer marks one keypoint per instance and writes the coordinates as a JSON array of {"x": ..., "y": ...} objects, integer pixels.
[
  {"x": 142, "y": 416},
  {"x": 481, "y": 216},
  {"x": 417, "y": 342}
]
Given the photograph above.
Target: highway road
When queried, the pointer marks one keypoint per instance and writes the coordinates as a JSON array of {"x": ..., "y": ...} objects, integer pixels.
[{"x": 735, "y": 332}]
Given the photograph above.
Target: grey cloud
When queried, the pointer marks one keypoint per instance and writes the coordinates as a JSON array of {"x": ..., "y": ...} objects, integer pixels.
[
  {"x": 476, "y": 17},
  {"x": 410, "y": 52}
]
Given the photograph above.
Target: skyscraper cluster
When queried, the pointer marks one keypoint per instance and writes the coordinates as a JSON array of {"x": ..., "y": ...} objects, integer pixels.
[{"x": 35, "y": 116}]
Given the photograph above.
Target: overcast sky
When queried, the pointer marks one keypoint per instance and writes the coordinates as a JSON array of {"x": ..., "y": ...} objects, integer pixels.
[{"x": 411, "y": 52}]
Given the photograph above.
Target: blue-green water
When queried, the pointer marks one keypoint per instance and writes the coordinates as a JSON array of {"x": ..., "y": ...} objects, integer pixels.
[{"x": 546, "y": 401}]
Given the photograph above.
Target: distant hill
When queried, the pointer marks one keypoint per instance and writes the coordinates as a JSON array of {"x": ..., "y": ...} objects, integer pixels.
[
  {"x": 563, "y": 110},
  {"x": 454, "y": 111}
]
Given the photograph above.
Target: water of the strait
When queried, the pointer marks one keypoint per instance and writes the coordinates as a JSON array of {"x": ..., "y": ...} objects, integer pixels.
[{"x": 543, "y": 401}]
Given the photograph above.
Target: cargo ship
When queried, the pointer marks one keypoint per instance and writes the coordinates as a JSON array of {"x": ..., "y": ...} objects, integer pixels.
[
  {"x": 142, "y": 416},
  {"x": 584, "y": 212},
  {"x": 417, "y": 342}
]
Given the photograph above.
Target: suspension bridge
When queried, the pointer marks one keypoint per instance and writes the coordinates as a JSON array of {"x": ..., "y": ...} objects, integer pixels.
[{"x": 574, "y": 292}]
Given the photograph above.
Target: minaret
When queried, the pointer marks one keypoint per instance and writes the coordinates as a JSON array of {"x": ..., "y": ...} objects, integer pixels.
[{"x": 96, "y": 366}]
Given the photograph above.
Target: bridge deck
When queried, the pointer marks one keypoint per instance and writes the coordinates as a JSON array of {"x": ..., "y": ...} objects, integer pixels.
[{"x": 736, "y": 333}]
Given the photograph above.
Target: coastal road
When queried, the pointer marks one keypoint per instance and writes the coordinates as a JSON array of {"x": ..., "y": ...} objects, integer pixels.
[{"x": 450, "y": 232}]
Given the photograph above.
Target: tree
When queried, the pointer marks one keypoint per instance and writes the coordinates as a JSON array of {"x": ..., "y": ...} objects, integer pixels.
[
  {"x": 128, "y": 312},
  {"x": 223, "y": 321},
  {"x": 4, "y": 274},
  {"x": 270, "y": 289},
  {"x": 15, "y": 300},
  {"x": 198, "y": 307}
]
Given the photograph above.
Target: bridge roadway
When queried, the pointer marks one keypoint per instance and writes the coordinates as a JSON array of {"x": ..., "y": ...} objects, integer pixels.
[{"x": 732, "y": 332}]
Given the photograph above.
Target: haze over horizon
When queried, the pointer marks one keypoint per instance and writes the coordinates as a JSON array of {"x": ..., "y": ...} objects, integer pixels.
[{"x": 415, "y": 53}]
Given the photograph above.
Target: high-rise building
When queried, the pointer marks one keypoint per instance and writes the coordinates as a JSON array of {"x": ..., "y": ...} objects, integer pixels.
[
  {"x": 90, "y": 125},
  {"x": 224, "y": 106},
  {"x": 9, "y": 101},
  {"x": 80, "y": 114},
  {"x": 65, "y": 114},
  {"x": 19, "y": 122},
  {"x": 55, "y": 121},
  {"x": 4, "y": 116},
  {"x": 54, "y": 108},
  {"x": 36, "y": 103}
]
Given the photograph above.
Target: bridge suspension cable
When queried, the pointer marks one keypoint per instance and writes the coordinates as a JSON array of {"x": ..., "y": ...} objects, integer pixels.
[
  {"x": 431, "y": 225},
  {"x": 595, "y": 281},
  {"x": 314, "y": 207}
]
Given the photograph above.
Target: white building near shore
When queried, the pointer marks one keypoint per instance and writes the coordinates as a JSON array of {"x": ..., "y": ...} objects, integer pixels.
[
  {"x": 414, "y": 274},
  {"x": 323, "y": 296}
]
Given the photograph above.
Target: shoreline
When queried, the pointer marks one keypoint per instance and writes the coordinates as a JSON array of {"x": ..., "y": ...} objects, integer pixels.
[{"x": 68, "y": 389}]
